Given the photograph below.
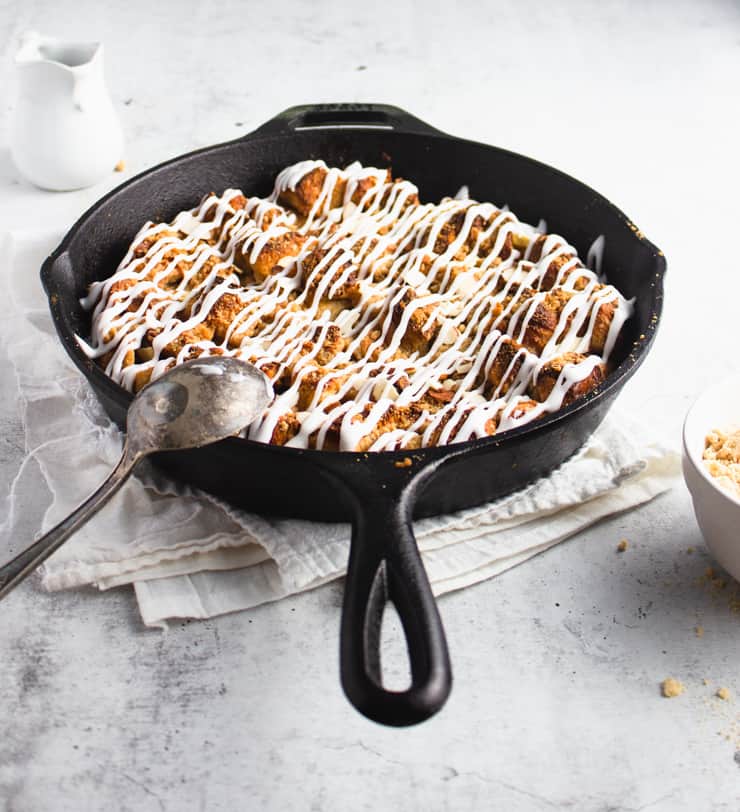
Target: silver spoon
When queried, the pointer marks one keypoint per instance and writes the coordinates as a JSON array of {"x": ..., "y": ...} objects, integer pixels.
[{"x": 194, "y": 404}]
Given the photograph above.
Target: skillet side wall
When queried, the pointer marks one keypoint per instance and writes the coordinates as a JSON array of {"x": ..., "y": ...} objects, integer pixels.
[
  {"x": 266, "y": 479},
  {"x": 262, "y": 479}
]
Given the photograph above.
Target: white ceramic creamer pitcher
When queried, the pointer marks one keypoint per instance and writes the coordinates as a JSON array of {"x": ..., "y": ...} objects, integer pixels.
[{"x": 66, "y": 134}]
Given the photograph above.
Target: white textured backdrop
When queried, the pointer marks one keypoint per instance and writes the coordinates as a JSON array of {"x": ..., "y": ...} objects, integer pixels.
[{"x": 557, "y": 663}]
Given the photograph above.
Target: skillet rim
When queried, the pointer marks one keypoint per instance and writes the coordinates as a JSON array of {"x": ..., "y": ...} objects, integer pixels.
[{"x": 615, "y": 380}]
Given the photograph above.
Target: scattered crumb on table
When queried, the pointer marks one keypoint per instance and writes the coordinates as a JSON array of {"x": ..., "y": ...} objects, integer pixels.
[
  {"x": 699, "y": 631},
  {"x": 721, "y": 588},
  {"x": 120, "y": 166},
  {"x": 671, "y": 687},
  {"x": 622, "y": 546},
  {"x": 723, "y": 693}
]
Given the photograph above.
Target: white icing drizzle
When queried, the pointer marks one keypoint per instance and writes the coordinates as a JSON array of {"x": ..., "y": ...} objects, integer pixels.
[{"x": 422, "y": 310}]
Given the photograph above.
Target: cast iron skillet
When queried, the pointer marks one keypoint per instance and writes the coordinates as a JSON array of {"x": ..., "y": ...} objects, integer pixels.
[{"x": 378, "y": 492}]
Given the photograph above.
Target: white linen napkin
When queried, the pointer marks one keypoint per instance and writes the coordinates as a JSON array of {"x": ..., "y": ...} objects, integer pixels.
[{"x": 189, "y": 555}]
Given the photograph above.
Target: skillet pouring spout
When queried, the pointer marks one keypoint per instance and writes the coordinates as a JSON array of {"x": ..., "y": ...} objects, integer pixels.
[{"x": 385, "y": 566}]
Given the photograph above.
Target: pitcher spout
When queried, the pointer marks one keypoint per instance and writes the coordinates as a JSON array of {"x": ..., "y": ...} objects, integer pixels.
[{"x": 70, "y": 56}]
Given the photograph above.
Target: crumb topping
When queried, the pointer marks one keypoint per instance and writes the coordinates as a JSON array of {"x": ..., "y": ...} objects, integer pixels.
[{"x": 722, "y": 458}]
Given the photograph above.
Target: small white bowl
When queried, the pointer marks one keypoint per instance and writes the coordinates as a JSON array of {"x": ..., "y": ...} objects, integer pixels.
[{"x": 717, "y": 510}]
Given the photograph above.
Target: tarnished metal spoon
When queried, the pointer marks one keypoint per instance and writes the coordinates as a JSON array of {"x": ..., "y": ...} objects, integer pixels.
[{"x": 194, "y": 404}]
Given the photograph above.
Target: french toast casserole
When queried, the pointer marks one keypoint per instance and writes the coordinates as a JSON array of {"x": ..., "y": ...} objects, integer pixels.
[{"x": 383, "y": 322}]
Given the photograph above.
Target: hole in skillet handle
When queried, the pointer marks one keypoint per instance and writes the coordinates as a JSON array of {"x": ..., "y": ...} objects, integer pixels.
[
  {"x": 342, "y": 115},
  {"x": 385, "y": 565}
]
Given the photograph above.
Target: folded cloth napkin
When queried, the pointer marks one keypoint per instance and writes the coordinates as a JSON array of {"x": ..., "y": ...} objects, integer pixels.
[{"x": 189, "y": 555}]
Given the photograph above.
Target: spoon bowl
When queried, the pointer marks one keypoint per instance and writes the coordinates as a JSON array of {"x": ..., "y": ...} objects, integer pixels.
[{"x": 197, "y": 403}]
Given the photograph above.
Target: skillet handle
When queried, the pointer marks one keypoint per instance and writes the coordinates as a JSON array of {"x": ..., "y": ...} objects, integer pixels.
[
  {"x": 385, "y": 565},
  {"x": 360, "y": 116}
]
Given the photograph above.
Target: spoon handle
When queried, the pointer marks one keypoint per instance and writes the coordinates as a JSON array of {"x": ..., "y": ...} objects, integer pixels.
[{"x": 24, "y": 563}]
